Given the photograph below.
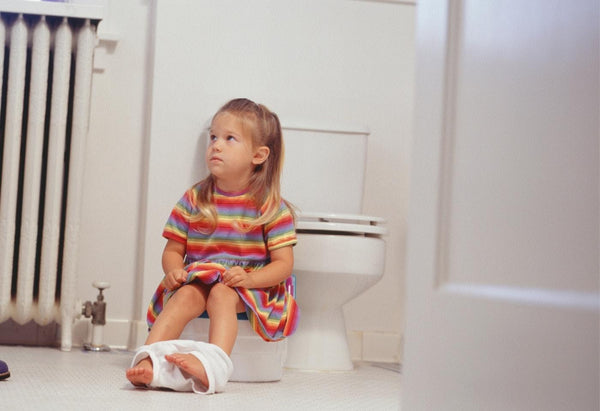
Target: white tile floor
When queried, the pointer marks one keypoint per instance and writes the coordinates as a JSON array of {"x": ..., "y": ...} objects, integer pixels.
[{"x": 49, "y": 379}]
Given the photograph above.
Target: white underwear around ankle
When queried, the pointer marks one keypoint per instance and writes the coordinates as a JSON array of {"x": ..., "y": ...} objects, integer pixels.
[{"x": 216, "y": 362}]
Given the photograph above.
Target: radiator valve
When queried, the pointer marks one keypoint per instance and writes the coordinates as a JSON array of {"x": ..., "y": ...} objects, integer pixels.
[{"x": 97, "y": 311}]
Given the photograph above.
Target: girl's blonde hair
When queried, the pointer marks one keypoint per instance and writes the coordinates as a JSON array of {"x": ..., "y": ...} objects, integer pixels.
[{"x": 264, "y": 187}]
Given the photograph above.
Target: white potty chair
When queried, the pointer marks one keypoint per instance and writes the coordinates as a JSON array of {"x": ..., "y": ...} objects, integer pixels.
[{"x": 254, "y": 359}]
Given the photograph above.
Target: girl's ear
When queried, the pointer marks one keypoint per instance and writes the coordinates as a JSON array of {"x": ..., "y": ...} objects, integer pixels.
[{"x": 260, "y": 155}]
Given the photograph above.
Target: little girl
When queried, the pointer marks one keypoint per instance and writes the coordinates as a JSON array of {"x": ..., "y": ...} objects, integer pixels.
[{"x": 229, "y": 250}]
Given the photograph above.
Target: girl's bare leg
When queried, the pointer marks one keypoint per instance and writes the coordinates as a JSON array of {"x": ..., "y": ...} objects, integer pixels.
[
  {"x": 186, "y": 304},
  {"x": 223, "y": 304}
]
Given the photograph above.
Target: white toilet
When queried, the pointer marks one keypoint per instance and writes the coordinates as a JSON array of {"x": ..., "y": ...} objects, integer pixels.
[
  {"x": 340, "y": 253},
  {"x": 337, "y": 258}
]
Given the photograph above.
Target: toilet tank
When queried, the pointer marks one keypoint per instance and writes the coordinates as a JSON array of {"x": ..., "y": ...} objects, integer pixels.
[{"x": 324, "y": 170}]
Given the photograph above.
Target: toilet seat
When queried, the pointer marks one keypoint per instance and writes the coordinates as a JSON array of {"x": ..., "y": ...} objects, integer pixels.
[{"x": 344, "y": 224}]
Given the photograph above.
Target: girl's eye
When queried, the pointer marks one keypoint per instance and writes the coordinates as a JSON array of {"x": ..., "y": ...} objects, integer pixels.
[
  {"x": 212, "y": 137},
  {"x": 230, "y": 138}
]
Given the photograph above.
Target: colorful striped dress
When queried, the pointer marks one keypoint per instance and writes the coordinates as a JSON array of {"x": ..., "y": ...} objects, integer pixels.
[{"x": 272, "y": 311}]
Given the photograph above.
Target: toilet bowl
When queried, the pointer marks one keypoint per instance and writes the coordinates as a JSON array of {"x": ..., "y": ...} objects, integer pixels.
[{"x": 337, "y": 257}]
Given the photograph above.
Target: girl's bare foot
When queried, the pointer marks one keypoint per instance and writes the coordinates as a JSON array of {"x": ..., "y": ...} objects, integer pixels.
[
  {"x": 190, "y": 364},
  {"x": 141, "y": 374}
]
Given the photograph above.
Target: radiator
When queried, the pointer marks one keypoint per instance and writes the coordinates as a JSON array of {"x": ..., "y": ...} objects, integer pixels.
[{"x": 45, "y": 78}]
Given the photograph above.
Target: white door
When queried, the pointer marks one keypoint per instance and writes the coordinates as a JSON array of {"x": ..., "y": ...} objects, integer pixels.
[{"x": 503, "y": 261}]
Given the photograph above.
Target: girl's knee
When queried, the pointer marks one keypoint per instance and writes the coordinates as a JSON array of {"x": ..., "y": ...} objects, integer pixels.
[
  {"x": 189, "y": 294},
  {"x": 220, "y": 295},
  {"x": 220, "y": 291}
]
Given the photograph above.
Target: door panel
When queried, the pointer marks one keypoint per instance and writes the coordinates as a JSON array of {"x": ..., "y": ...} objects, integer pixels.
[{"x": 503, "y": 267}]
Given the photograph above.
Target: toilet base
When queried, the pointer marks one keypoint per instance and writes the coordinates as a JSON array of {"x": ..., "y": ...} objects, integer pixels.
[{"x": 320, "y": 342}]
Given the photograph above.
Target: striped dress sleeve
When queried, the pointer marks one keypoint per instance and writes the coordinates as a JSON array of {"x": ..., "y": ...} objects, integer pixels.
[
  {"x": 178, "y": 223},
  {"x": 280, "y": 232}
]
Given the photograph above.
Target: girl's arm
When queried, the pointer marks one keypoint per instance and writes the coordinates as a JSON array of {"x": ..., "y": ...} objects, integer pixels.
[
  {"x": 280, "y": 268},
  {"x": 173, "y": 264}
]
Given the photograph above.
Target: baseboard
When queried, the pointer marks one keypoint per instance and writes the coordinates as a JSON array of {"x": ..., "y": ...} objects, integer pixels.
[
  {"x": 376, "y": 346},
  {"x": 125, "y": 334},
  {"x": 137, "y": 334},
  {"x": 117, "y": 334}
]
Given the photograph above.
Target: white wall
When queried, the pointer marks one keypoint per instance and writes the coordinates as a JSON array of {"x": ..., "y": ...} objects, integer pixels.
[{"x": 333, "y": 64}]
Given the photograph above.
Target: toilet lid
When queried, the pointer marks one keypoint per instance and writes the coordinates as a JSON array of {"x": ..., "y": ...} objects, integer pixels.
[{"x": 344, "y": 223}]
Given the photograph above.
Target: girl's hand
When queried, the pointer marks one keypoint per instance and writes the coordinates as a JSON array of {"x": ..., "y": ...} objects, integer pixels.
[
  {"x": 173, "y": 260},
  {"x": 175, "y": 278},
  {"x": 237, "y": 277}
]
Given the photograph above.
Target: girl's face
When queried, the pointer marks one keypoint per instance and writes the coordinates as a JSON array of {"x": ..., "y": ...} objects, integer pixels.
[{"x": 231, "y": 156}]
